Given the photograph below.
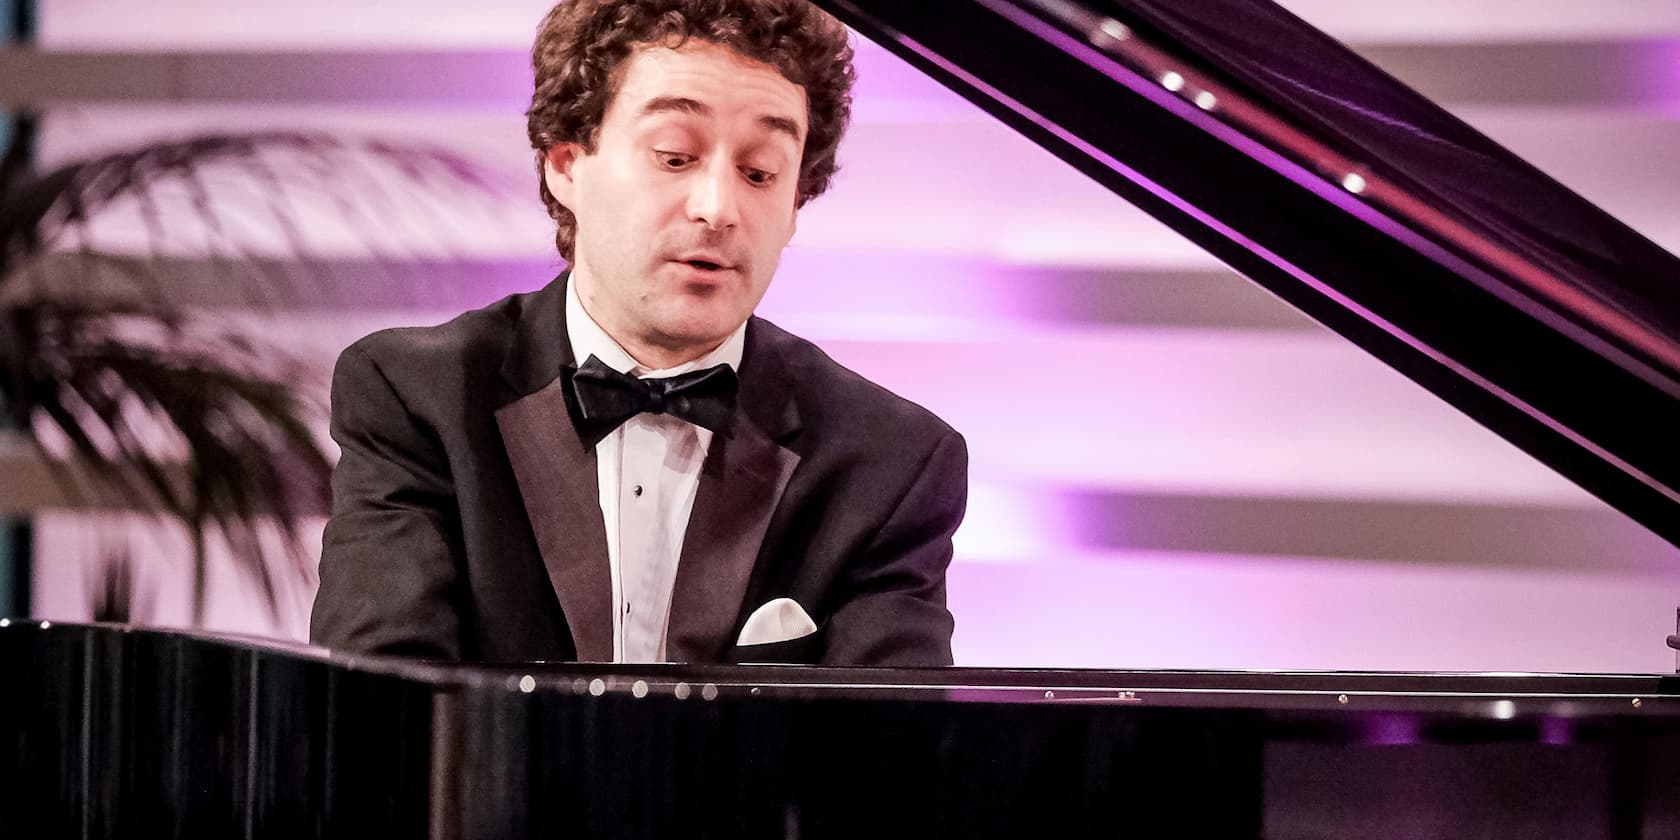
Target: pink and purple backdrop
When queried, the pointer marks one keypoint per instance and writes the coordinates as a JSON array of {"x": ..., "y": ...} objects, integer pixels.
[{"x": 1170, "y": 469}]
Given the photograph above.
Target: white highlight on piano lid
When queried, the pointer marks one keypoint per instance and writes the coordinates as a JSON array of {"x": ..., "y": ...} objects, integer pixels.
[{"x": 1113, "y": 29}]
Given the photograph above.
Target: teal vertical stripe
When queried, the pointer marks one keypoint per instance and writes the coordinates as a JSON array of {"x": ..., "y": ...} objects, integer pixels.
[
  {"x": 17, "y": 25},
  {"x": 8, "y": 589},
  {"x": 18, "y": 19},
  {"x": 10, "y": 26},
  {"x": 12, "y": 594}
]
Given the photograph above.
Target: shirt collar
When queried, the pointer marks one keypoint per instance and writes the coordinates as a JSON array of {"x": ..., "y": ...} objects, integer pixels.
[{"x": 588, "y": 339}]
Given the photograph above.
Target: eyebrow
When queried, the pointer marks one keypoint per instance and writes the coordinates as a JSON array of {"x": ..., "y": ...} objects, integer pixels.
[{"x": 685, "y": 105}]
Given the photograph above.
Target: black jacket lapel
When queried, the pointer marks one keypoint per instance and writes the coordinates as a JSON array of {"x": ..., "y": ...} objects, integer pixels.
[
  {"x": 557, "y": 472},
  {"x": 741, "y": 484}
]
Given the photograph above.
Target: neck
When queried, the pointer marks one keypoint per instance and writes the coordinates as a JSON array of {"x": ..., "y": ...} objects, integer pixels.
[
  {"x": 649, "y": 351},
  {"x": 656, "y": 357}
]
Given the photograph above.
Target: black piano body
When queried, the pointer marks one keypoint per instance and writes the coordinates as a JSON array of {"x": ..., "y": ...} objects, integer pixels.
[{"x": 112, "y": 732}]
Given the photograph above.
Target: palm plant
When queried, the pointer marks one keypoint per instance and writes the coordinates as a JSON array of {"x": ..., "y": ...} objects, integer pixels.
[{"x": 180, "y": 409}]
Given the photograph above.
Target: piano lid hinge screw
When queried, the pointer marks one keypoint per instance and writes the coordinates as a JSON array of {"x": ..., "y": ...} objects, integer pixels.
[
  {"x": 1637, "y": 702},
  {"x": 1342, "y": 699}
]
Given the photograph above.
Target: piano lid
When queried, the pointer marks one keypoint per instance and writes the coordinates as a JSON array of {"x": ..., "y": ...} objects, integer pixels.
[{"x": 1353, "y": 198}]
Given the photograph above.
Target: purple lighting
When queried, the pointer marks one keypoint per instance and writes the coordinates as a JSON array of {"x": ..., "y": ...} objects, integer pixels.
[
  {"x": 1663, "y": 75},
  {"x": 1556, "y": 731},
  {"x": 1392, "y": 730}
]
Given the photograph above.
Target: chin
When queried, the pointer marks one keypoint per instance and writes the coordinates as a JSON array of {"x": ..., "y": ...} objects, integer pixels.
[
  {"x": 706, "y": 321},
  {"x": 708, "y": 334}
]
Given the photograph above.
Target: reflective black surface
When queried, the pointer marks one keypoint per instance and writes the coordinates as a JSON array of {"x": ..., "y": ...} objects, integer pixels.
[
  {"x": 106, "y": 732},
  {"x": 1351, "y": 197},
  {"x": 112, "y": 732}
]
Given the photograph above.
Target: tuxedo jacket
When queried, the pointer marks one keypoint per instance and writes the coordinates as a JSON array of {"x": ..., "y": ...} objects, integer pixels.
[{"x": 466, "y": 521}]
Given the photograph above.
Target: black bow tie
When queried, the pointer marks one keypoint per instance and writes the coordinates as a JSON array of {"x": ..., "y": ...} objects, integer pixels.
[{"x": 607, "y": 398}]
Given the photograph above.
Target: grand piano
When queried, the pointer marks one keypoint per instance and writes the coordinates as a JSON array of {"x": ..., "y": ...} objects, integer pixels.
[{"x": 1302, "y": 166}]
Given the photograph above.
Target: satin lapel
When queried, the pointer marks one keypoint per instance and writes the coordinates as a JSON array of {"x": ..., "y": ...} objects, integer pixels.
[
  {"x": 557, "y": 481},
  {"x": 741, "y": 484},
  {"x": 557, "y": 473}
]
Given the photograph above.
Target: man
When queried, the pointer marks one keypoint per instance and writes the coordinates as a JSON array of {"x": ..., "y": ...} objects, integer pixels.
[{"x": 625, "y": 465}]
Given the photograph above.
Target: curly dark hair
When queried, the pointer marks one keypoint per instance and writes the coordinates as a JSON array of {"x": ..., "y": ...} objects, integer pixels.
[{"x": 582, "y": 44}]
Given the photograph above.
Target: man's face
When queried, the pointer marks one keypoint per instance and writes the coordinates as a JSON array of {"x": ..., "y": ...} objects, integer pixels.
[{"x": 688, "y": 199}]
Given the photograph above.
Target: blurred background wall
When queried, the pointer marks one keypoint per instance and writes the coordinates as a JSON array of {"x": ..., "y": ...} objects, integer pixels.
[{"x": 1170, "y": 468}]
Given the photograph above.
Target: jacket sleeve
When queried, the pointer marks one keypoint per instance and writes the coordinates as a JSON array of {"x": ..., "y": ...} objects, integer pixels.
[
  {"x": 894, "y": 611},
  {"x": 391, "y": 554}
]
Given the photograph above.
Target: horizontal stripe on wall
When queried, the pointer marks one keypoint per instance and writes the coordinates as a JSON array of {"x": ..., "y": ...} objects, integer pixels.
[
  {"x": 866, "y": 291},
  {"x": 1621, "y": 73}
]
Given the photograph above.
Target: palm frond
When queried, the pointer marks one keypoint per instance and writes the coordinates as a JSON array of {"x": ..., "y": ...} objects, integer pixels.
[
  {"x": 171, "y": 405},
  {"x": 184, "y": 420}
]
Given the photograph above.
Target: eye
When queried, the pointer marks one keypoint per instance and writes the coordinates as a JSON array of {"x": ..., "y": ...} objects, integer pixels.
[
  {"x": 673, "y": 160},
  {"x": 758, "y": 177}
]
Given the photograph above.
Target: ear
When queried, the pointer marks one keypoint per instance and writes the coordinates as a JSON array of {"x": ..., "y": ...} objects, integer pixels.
[{"x": 557, "y": 172}]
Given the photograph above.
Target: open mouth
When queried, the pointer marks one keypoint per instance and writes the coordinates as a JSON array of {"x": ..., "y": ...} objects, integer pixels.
[{"x": 703, "y": 265}]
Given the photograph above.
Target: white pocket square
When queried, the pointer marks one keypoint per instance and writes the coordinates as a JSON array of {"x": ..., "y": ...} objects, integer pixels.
[{"x": 777, "y": 621}]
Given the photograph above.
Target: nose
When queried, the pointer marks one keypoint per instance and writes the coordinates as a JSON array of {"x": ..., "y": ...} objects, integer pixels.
[{"x": 712, "y": 199}]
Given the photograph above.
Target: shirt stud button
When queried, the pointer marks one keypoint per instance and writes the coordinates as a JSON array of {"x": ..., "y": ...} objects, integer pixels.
[{"x": 637, "y": 490}]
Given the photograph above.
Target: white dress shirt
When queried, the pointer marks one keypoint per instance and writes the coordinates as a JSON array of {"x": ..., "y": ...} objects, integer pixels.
[{"x": 649, "y": 470}]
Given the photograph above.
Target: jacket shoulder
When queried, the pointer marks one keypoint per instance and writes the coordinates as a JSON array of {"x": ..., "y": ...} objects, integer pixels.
[{"x": 480, "y": 335}]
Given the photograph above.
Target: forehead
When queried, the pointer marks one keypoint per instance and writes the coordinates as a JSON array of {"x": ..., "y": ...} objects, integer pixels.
[{"x": 728, "y": 84}]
